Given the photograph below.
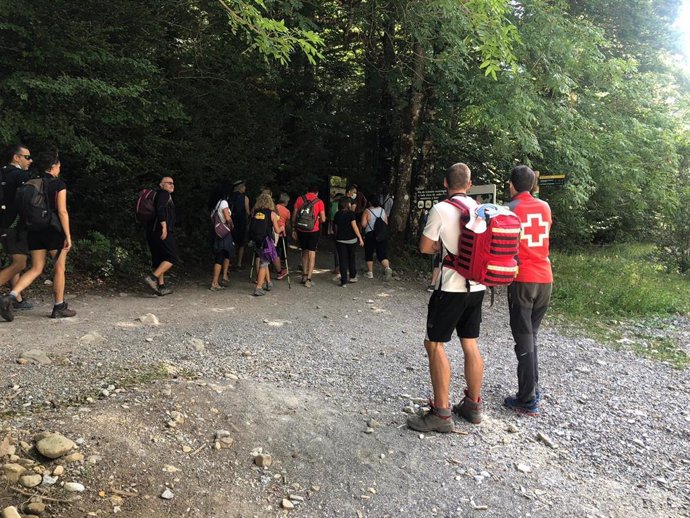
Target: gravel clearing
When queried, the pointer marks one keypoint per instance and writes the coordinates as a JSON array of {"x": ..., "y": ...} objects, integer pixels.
[{"x": 293, "y": 404}]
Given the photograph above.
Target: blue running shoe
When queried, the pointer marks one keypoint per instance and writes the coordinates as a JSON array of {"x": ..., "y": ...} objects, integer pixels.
[
  {"x": 24, "y": 305},
  {"x": 531, "y": 408},
  {"x": 537, "y": 395}
]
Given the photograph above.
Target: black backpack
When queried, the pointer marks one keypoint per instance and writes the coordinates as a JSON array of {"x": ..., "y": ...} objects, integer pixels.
[
  {"x": 380, "y": 229},
  {"x": 33, "y": 207},
  {"x": 260, "y": 226},
  {"x": 3, "y": 203},
  {"x": 306, "y": 219}
]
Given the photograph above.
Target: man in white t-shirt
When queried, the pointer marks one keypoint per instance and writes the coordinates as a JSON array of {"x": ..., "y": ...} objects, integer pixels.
[{"x": 451, "y": 308}]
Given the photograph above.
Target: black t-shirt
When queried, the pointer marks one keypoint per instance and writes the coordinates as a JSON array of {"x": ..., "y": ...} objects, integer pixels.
[
  {"x": 343, "y": 223},
  {"x": 52, "y": 188},
  {"x": 237, "y": 207},
  {"x": 165, "y": 209},
  {"x": 12, "y": 177}
]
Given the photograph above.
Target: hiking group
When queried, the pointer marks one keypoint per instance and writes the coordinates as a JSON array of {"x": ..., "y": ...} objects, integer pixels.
[{"x": 477, "y": 246}]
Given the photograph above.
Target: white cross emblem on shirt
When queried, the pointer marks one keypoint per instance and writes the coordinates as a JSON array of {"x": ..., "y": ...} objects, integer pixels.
[{"x": 535, "y": 230}]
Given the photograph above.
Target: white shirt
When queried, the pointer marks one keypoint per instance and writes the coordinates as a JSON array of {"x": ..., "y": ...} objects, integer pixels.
[
  {"x": 443, "y": 223},
  {"x": 220, "y": 207}
]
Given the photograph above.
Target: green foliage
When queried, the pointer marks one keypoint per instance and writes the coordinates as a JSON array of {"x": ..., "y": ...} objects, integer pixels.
[
  {"x": 615, "y": 282},
  {"x": 102, "y": 258}
]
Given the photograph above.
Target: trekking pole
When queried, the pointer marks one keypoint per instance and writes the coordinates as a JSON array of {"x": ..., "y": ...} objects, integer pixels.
[
  {"x": 251, "y": 270},
  {"x": 287, "y": 266}
]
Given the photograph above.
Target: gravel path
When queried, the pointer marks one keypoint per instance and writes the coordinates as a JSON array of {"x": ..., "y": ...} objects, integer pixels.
[{"x": 301, "y": 374}]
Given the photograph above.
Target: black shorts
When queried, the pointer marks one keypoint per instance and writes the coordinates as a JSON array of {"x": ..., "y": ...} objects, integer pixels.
[
  {"x": 371, "y": 246},
  {"x": 15, "y": 242},
  {"x": 48, "y": 239},
  {"x": 239, "y": 232},
  {"x": 449, "y": 311},
  {"x": 308, "y": 240},
  {"x": 162, "y": 250}
]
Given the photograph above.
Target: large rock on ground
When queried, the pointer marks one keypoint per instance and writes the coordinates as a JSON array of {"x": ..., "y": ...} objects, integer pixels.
[
  {"x": 54, "y": 446},
  {"x": 36, "y": 356}
]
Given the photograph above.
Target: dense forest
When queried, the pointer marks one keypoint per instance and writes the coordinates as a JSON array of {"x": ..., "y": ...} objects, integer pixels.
[{"x": 384, "y": 92}]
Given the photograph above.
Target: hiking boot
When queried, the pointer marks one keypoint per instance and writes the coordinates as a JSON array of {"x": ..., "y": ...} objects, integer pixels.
[
  {"x": 62, "y": 311},
  {"x": 224, "y": 283},
  {"x": 370, "y": 275},
  {"x": 283, "y": 273},
  {"x": 164, "y": 290},
  {"x": 530, "y": 408},
  {"x": 24, "y": 305},
  {"x": 303, "y": 280},
  {"x": 269, "y": 286},
  {"x": 258, "y": 292},
  {"x": 308, "y": 283},
  {"x": 430, "y": 422},
  {"x": 152, "y": 283},
  {"x": 469, "y": 410},
  {"x": 388, "y": 274},
  {"x": 6, "y": 308}
]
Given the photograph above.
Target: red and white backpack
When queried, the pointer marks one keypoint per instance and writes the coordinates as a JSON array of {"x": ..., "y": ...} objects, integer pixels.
[{"x": 489, "y": 257}]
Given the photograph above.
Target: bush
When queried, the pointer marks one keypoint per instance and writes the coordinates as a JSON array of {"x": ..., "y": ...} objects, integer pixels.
[
  {"x": 98, "y": 256},
  {"x": 673, "y": 234}
]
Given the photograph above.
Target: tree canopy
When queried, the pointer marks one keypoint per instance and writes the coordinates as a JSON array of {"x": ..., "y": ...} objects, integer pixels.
[{"x": 384, "y": 92}]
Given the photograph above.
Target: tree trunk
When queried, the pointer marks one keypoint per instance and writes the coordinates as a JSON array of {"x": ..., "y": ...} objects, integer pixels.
[{"x": 408, "y": 134}]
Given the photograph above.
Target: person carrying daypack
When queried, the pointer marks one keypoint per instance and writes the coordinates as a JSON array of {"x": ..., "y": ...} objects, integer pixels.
[
  {"x": 375, "y": 225},
  {"x": 454, "y": 306},
  {"x": 160, "y": 236},
  {"x": 221, "y": 235},
  {"x": 239, "y": 206},
  {"x": 13, "y": 237},
  {"x": 262, "y": 226},
  {"x": 309, "y": 212},
  {"x": 47, "y": 234}
]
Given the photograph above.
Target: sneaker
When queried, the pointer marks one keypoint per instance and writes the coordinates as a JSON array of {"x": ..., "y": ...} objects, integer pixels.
[
  {"x": 164, "y": 290},
  {"x": 353, "y": 279},
  {"x": 343, "y": 285},
  {"x": 283, "y": 273},
  {"x": 388, "y": 274},
  {"x": 152, "y": 283},
  {"x": 303, "y": 280},
  {"x": 430, "y": 288},
  {"x": 469, "y": 410},
  {"x": 269, "y": 286},
  {"x": 216, "y": 288},
  {"x": 308, "y": 283},
  {"x": 224, "y": 283},
  {"x": 337, "y": 278},
  {"x": 537, "y": 396},
  {"x": 370, "y": 275},
  {"x": 430, "y": 422},
  {"x": 530, "y": 408},
  {"x": 62, "y": 311},
  {"x": 258, "y": 292},
  {"x": 24, "y": 305},
  {"x": 6, "y": 308}
]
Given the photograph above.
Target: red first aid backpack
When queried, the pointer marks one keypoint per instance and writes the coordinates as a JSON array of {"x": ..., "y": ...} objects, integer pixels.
[{"x": 488, "y": 258}]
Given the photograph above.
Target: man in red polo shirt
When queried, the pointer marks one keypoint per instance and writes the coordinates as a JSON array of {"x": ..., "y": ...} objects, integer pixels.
[
  {"x": 529, "y": 295},
  {"x": 308, "y": 237}
]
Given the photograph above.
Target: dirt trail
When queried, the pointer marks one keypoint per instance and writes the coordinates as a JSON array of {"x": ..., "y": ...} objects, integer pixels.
[{"x": 318, "y": 379}]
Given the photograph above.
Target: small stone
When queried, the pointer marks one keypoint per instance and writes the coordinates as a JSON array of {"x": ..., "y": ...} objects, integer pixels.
[
  {"x": 36, "y": 356},
  {"x": 74, "y": 457},
  {"x": 36, "y": 507},
  {"x": 525, "y": 468},
  {"x": 263, "y": 460},
  {"x": 30, "y": 480},
  {"x": 149, "y": 340},
  {"x": 296, "y": 498},
  {"x": 54, "y": 446},
  {"x": 638, "y": 442},
  {"x": 197, "y": 344},
  {"x": 369, "y": 430},
  {"x": 246, "y": 354},
  {"x": 105, "y": 393},
  {"x": 546, "y": 440},
  {"x": 167, "y": 494},
  {"x": 409, "y": 409},
  {"x": 48, "y": 480},
  {"x": 94, "y": 459},
  {"x": 421, "y": 436},
  {"x": 74, "y": 487},
  {"x": 58, "y": 470},
  {"x": 10, "y": 512},
  {"x": 286, "y": 504},
  {"x": 186, "y": 449},
  {"x": 178, "y": 417},
  {"x": 511, "y": 428},
  {"x": 149, "y": 319},
  {"x": 373, "y": 423},
  {"x": 226, "y": 442},
  {"x": 13, "y": 472},
  {"x": 92, "y": 337},
  {"x": 169, "y": 468}
]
